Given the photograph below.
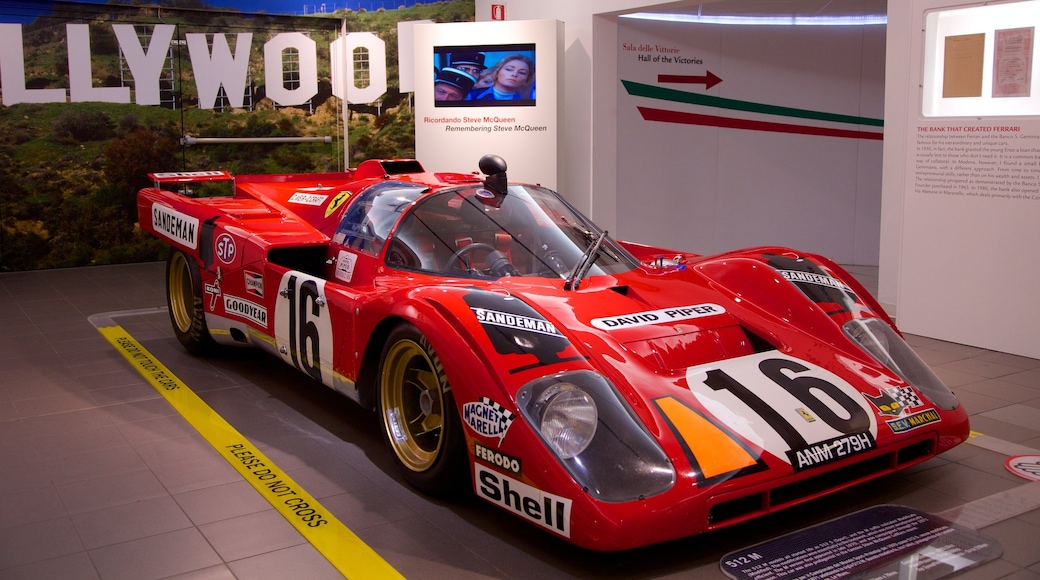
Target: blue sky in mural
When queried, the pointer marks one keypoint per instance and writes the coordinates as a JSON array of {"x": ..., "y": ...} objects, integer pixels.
[{"x": 24, "y": 11}]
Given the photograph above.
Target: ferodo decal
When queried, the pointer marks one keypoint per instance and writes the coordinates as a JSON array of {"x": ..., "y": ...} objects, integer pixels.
[
  {"x": 252, "y": 311},
  {"x": 224, "y": 248},
  {"x": 303, "y": 329},
  {"x": 336, "y": 202},
  {"x": 543, "y": 508},
  {"x": 764, "y": 397},
  {"x": 179, "y": 227},
  {"x": 658, "y": 316},
  {"x": 516, "y": 328},
  {"x": 496, "y": 458},
  {"x": 488, "y": 418}
]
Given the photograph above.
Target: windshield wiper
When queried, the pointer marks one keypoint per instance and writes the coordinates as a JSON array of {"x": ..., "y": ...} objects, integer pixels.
[{"x": 585, "y": 263}]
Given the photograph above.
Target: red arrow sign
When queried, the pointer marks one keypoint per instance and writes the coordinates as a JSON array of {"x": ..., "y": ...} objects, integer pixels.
[{"x": 708, "y": 79}]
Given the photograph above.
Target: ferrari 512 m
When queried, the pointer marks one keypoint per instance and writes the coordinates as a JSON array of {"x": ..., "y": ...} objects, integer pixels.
[{"x": 614, "y": 394}]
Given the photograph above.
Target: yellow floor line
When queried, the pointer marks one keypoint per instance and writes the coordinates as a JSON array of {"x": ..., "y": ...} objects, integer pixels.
[{"x": 351, "y": 556}]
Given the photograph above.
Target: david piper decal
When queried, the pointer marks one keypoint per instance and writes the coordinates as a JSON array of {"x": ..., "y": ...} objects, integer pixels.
[{"x": 662, "y": 316}]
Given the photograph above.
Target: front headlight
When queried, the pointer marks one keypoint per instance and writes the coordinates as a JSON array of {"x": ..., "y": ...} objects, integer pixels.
[
  {"x": 884, "y": 344},
  {"x": 567, "y": 419},
  {"x": 596, "y": 436}
]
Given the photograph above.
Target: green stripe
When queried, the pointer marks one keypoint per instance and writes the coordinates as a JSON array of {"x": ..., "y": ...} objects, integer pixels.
[{"x": 641, "y": 90}]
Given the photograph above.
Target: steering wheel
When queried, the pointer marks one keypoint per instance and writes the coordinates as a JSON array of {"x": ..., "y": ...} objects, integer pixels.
[{"x": 464, "y": 250}]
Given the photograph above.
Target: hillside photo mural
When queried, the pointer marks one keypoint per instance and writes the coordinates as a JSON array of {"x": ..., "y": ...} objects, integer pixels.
[{"x": 93, "y": 97}]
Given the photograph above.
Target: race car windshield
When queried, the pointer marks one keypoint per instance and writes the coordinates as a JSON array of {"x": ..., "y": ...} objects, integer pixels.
[
  {"x": 367, "y": 223},
  {"x": 530, "y": 231}
]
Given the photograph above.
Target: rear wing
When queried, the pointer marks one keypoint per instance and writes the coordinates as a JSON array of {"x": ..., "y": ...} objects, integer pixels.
[
  {"x": 188, "y": 177},
  {"x": 181, "y": 183}
]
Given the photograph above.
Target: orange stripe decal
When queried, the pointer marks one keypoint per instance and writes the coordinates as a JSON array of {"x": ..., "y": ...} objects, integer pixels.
[{"x": 713, "y": 450}]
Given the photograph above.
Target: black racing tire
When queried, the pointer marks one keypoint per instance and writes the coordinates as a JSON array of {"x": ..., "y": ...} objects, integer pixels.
[
  {"x": 184, "y": 301},
  {"x": 418, "y": 416}
]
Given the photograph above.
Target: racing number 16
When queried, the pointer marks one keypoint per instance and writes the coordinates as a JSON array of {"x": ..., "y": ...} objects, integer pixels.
[
  {"x": 304, "y": 337},
  {"x": 800, "y": 387}
]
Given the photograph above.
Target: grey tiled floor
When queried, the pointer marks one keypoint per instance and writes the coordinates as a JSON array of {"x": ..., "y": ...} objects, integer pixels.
[{"x": 100, "y": 478}]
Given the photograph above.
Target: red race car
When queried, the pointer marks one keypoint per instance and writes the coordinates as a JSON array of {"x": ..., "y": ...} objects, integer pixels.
[{"x": 614, "y": 394}]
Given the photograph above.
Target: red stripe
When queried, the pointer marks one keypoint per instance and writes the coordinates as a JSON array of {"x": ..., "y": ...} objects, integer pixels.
[{"x": 715, "y": 121}]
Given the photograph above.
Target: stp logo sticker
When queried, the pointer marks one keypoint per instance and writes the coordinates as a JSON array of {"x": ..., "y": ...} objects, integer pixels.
[
  {"x": 225, "y": 248},
  {"x": 1024, "y": 466}
]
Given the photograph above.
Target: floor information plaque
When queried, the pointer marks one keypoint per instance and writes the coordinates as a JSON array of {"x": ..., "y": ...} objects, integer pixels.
[{"x": 886, "y": 541}]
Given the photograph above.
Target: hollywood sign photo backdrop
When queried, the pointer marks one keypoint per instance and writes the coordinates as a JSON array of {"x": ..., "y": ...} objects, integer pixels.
[{"x": 212, "y": 67}]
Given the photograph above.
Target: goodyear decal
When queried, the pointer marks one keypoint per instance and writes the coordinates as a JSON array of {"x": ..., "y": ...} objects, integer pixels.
[
  {"x": 914, "y": 421},
  {"x": 179, "y": 227},
  {"x": 663, "y": 316},
  {"x": 245, "y": 309},
  {"x": 552, "y": 512},
  {"x": 488, "y": 418},
  {"x": 516, "y": 322}
]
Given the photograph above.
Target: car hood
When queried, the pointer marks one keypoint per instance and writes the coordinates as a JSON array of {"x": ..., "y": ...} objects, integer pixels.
[{"x": 678, "y": 318}]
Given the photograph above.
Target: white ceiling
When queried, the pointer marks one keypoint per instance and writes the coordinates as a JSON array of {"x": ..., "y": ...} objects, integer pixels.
[{"x": 792, "y": 8}]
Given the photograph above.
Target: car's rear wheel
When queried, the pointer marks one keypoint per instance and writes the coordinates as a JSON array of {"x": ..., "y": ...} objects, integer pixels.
[
  {"x": 184, "y": 300},
  {"x": 419, "y": 417}
]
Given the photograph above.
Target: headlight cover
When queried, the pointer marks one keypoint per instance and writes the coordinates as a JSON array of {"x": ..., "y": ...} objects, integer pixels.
[
  {"x": 880, "y": 341},
  {"x": 595, "y": 435}
]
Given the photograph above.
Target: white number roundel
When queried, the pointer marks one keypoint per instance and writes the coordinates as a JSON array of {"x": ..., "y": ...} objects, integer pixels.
[
  {"x": 784, "y": 405},
  {"x": 303, "y": 327}
]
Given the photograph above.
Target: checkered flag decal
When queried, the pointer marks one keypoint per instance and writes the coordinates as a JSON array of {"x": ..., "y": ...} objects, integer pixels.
[
  {"x": 906, "y": 397},
  {"x": 506, "y": 416}
]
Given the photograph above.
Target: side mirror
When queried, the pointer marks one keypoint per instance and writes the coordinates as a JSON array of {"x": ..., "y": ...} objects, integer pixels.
[{"x": 494, "y": 167}]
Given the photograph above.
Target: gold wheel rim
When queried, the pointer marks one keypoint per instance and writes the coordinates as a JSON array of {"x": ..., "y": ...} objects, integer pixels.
[
  {"x": 181, "y": 292},
  {"x": 412, "y": 405}
]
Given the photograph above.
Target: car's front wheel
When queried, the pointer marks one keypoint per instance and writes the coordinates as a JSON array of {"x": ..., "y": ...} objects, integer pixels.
[
  {"x": 184, "y": 300},
  {"x": 419, "y": 417}
]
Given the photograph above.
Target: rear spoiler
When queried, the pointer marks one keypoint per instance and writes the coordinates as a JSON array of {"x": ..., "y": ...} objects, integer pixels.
[{"x": 188, "y": 177}]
